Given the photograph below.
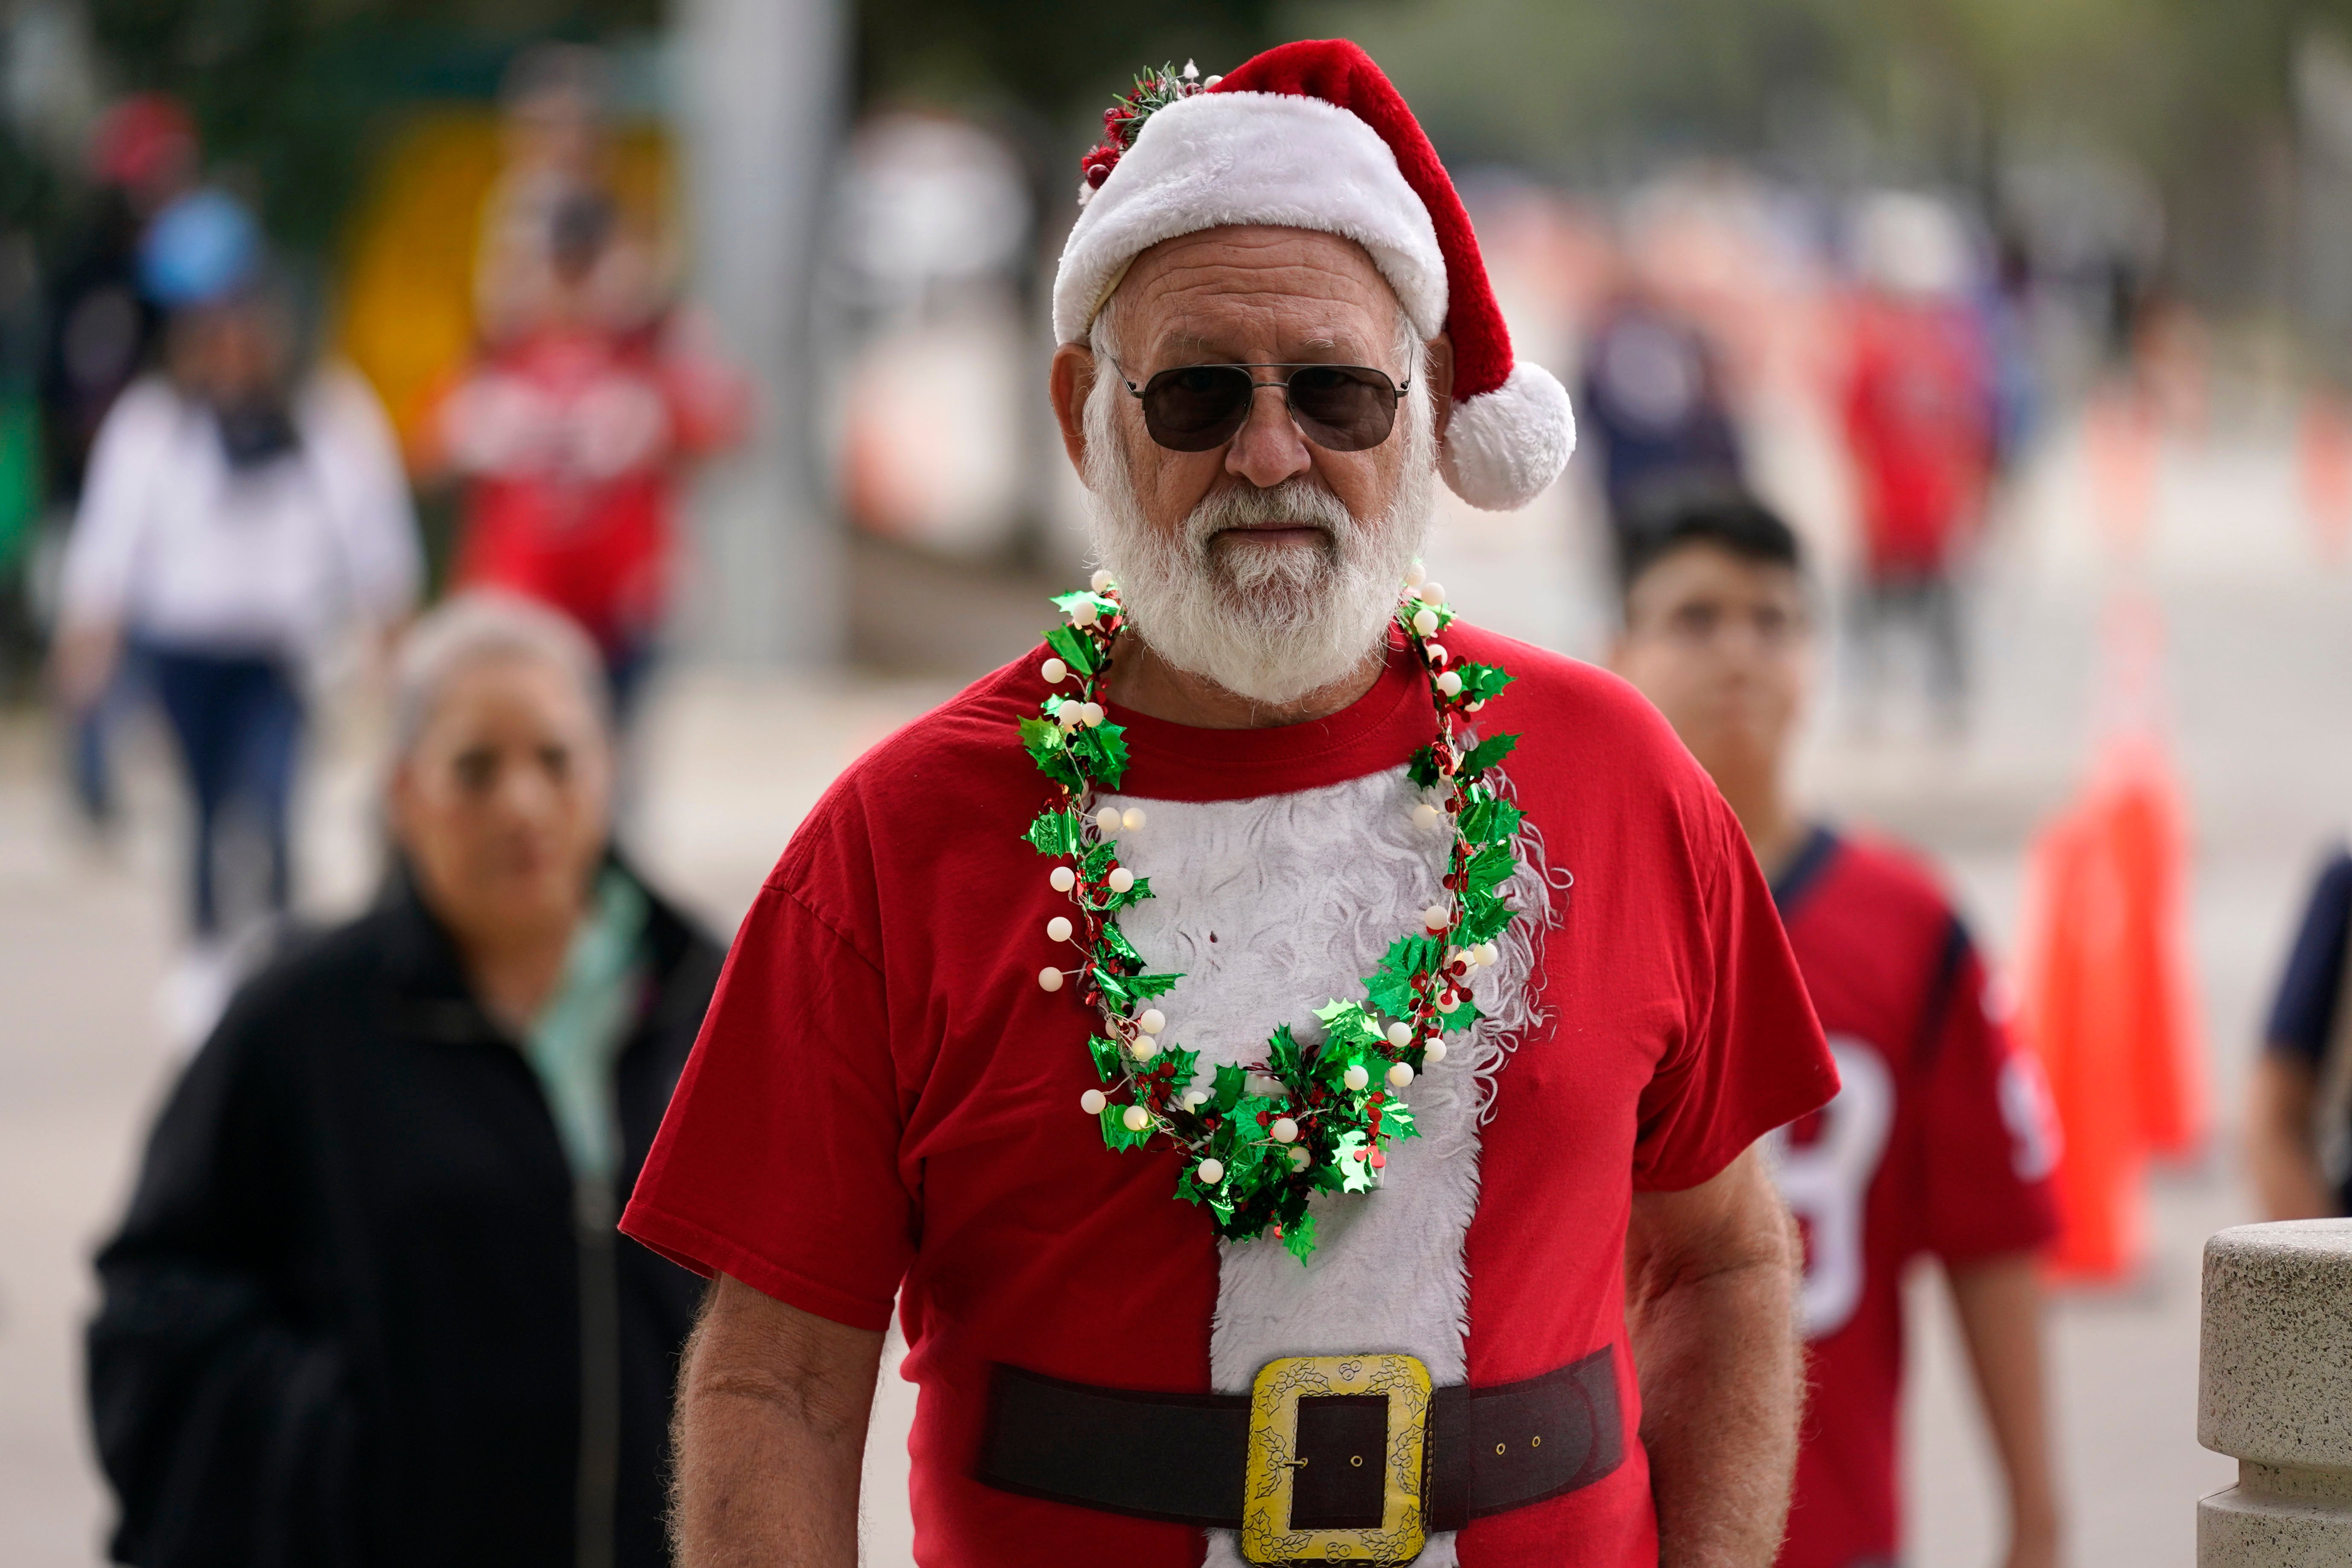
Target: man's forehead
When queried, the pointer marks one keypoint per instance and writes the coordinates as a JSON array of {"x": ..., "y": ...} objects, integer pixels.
[
  {"x": 1705, "y": 571},
  {"x": 1204, "y": 291}
]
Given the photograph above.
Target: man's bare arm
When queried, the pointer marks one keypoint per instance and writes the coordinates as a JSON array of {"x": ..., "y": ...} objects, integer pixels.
[
  {"x": 1711, "y": 1278},
  {"x": 2280, "y": 1097},
  {"x": 1998, "y": 1302},
  {"x": 770, "y": 1434}
]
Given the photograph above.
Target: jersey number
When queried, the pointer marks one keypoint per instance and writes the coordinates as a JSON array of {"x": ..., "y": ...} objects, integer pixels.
[{"x": 1826, "y": 1182}]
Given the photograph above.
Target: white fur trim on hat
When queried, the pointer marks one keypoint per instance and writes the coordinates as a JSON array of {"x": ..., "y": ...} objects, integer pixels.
[
  {"x": 1502, "y": 447},
  {"x": 1221, "y": 158}
]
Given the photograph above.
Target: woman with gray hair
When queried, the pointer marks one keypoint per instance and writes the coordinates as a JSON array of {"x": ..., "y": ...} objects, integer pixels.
[{"x": 368, "y": 1304}]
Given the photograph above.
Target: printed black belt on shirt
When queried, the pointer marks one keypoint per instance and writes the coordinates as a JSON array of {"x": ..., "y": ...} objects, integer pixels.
[{"x": 1328, "y": 1458}]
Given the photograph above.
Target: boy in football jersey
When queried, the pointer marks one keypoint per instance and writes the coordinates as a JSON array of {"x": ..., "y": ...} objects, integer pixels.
[{"x": 1939, "y": 1142}]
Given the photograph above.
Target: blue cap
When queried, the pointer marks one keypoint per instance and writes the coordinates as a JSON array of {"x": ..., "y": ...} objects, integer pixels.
[{"x": 199, "y": 249}]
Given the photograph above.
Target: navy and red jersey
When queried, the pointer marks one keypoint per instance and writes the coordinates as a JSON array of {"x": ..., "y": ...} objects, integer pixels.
[{"x": 1939, "y": 1142}]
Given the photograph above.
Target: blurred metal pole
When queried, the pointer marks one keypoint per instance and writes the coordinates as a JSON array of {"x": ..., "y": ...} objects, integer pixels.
[{"x": 763, "y": 89}]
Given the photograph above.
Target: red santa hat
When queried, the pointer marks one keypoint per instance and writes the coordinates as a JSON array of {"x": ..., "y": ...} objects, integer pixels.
[{"x": 1312, "y": 135}]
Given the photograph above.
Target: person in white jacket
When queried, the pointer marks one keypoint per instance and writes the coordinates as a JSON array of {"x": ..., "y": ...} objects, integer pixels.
[{"x": 239, "y": 515}]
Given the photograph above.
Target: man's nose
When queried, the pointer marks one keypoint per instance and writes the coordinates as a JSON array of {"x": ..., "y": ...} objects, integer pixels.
[{"x": 1268, "y": 449}]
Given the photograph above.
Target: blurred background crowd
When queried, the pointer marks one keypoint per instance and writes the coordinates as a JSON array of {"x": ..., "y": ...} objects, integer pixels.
[{"x": 719, "y": 328}]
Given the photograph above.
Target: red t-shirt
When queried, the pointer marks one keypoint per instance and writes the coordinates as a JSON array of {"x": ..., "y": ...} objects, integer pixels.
[
  {"x": 1919, "y": 409},
  {"x": 1941, "y": 1141},
  {"x": 885, "y": 1103}
]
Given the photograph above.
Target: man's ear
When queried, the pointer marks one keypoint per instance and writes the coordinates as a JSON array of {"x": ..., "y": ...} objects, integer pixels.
[
  {"x": 1070, "y": 384},
  {"x": 1441, "y": 382}
]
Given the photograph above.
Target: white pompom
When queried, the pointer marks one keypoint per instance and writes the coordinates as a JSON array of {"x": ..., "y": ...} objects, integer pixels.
[
  {"x": 1450, "y": 684},
  {"x": 1400, "y": 1035},
  {"x": 1063, "y": 879},
  {"x": 1083, "y": 612},
  {"x": 1120, "y": 879},
  {"x": 1437, "y": 917},
  {"x": 1050, "y": 978},
  {"x": 1133, "y": 818},
  {"x": 1425, "y": 622},
  {"x": 1285, "y": 1129},
  {"x": 1400, "y": 1075},
  {"x": 1152, "y": 1020},
  {"x": 1208, "y": 1173},
  {"x": 1090, "y": 714},
  {"x": 1108, "y": 819},
  {"x": 1054, "y": 671},
  {"x": 1059, "y": 928},
  {"x": 1503, "y": 447},
  {"x": 1101, "y": 581},
  {"x": 1356, "y": 1078},
  {"x": 1432, "y": 592},
  {"x": 1425, "y": 816},
  {"x": 1434, "y": 1051},
  {"x": 1093, "y": 1101},
  {"x": 1137, "y": 1118}
]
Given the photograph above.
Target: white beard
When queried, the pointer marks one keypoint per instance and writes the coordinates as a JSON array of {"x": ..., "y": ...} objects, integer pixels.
[{"x": 1267, "y": 625}]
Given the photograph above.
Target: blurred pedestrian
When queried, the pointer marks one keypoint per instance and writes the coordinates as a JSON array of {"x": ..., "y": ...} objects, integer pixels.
[
  {"x": 1655, "y": 413},
  {"x": 368, "y": 1304},
  {"x": 1938, "y": 1141},
  {"x": 2299, "y": 1101},
  {"x": 1918, "y": 404},
  {"x": 594, "y": 393},
  {"x": 242, "y": 513}
]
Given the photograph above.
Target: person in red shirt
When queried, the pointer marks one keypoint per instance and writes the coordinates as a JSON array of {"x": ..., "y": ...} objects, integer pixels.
[
  {"x": 1940, "y": 1141},
  {"x": 1555, "y": 1325}
]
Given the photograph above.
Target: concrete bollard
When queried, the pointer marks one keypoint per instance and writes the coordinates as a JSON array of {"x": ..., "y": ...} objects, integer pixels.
[{"x": 2275, "y": 1392}]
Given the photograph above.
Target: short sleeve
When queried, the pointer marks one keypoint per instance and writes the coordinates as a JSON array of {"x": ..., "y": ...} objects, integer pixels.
[
  {"x": 1990, "y": 1135},
  {"x": 1751, "y": 1056},
  {"x": 2303, "y": 1014},
  {"x": 778, "y": 1159}
]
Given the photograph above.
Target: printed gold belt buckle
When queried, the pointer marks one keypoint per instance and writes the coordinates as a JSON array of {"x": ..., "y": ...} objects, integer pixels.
[{"x": 1335, "y": 1465}]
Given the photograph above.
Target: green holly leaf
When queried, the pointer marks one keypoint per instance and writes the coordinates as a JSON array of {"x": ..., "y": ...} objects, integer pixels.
[
  {"x": 1489, "y": 820},
  {"x": 1106, "y": 1054},
  {"x": 1390, "y": 989},
  {"x": 1483, "y": 917},
  {"x": 1227, "y": 1093},
  {"x": 1283, "y": 1057},
  {"x": 1116, "y": 1135},
  {"x": 1490, "y": 868},
  {"x": 1144, "y": 986},
  {"x": 1299, "y": 1236},
  {"x": 1095, "y": 863},
  {"x": 1102, "y": 752},
  {"x": 1055, "y": 832},
  {"x": 1349, "y": 1027},
  {"x": 1422, "y": 769},
  {"x": 1114, "y": 941},
  {"x": 1355, "y": 1175},
  {"x": 1074, "y": 649},
  {"x": 1139, "y": 890},
  {"x": 1396, "y": 1120},
  {"x": 1487, "y": 754},
  {"x": 1459, "y": 1019},
  {"x": 1481, "y": 681}
]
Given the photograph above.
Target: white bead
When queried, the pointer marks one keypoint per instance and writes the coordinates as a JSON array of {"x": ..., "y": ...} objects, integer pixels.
[
  {"x": 1301, "y": 1159},
  {"x": 1474, "y": 707},
  {"x": 1050, "y": 978},
  {"x": 1285, "y": 1129},
  {"x": 1433, "y": 1052},
  {"x": 1101, "y": 581},
  {"x": 1054, "y": 672},
  {"x": 1108, "y": 819},
  {"x": 1425, "y": 816},
  {"x": 1143, "y": 1048},
  {"x": 1137, "y": 1118},
  {"x": 1356, "y": 1078},
  {"x": 1090, "y": 714},
  {"x": 1093, "y": 1101},
  {"x": 1432, "y": 594},
  {"x": 1083, "y": 612},
  {"x": 1059, "y": 928},
  {"x": 1488, "y": 954},
  {"x": 1152, "y": 1020},
  {"x": 1400, "y": 1035},
  {"x": 1400, "y": 1075},
  {"x": 1415, "y": 576},
  {"x": 1437, "y": 917},
  {"x": 1132, "y": 817},
  {"x": 1433, "y": 651},
  {"x": 1063, "y": 879},
  {"x": 1425, "y": 622},
  {"x": 1120, "y": 879},
  {"x": 1066, "y": 715},
  {"x": 1208, "y": 1173},
  {"x": 1195, "y": 1098},
  {"x": 1450, "y": 684}
]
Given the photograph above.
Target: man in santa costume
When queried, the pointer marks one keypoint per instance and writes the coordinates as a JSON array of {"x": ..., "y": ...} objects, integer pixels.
[{"x": 1293, "y": 1059}]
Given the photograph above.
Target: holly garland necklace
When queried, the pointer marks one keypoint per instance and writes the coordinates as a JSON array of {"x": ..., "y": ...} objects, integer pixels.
[{"x": 1261, "y": 1139}]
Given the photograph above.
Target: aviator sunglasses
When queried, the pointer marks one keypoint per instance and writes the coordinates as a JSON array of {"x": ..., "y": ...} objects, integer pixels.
[{"x": 1198, "y": 408}]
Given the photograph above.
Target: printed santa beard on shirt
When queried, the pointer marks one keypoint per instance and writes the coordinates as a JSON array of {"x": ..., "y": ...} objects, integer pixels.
[
  {"x": 1270, "y": 908},
  {"x": 1268, "y": 624}
]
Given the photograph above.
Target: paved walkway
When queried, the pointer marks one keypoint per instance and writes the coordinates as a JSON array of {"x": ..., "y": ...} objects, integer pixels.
[{"x": 2261, "y": 637}]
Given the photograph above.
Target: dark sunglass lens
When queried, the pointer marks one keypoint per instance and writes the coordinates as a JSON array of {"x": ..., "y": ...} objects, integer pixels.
[
  {"x": 1195, "y": 407},
  {"x": 1343, "y": 407}
]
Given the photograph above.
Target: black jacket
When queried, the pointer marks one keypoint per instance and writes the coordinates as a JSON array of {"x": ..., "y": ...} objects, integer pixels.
[{"x": 358, "y": 1314}]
